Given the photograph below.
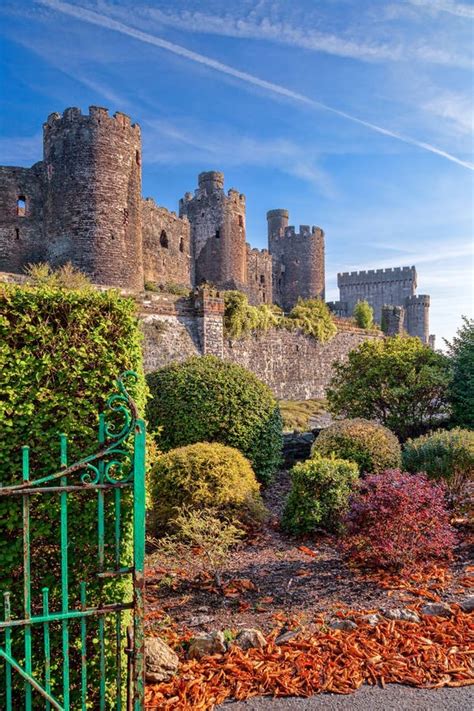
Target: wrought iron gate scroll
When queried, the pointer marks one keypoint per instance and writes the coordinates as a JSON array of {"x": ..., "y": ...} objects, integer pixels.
[{"x": 118, "y": 465}]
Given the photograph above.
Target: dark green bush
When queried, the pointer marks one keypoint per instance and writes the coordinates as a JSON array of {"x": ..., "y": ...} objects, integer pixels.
[
  {"x": 364, "y": 315},
  {"x": 373, "y": 447},
  {"x": 60, "y": 353},
  {"x": 461, "y": 388},
  {"x": 447, "y": 455},
  {"x": 205, "y": 399},
  {"x": 396, "y": 381},
  {"x": 319, "y": 496},
  {"x": 202, "y": 477}
]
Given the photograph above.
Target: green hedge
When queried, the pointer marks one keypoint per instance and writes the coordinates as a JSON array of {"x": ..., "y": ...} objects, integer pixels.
[
  {"x": 319, "y": 496},
  {"x": 205, "y": 399},
  {"x": 60, "y": 353}
]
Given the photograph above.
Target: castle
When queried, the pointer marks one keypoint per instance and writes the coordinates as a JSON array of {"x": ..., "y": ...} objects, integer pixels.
[{"x": 83, "y": 203}]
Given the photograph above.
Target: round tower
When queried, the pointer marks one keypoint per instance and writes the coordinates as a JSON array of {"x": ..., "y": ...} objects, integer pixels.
[
  {"x": 217, "y": 232},
  {"x": 418, "y": 316},
  {"x": 93, "y": 205}
]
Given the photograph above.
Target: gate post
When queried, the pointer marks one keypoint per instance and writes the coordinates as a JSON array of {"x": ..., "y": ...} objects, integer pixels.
[{"x": 139, "y": 567}]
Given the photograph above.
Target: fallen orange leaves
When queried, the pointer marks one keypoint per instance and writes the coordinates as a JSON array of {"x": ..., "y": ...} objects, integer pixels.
[
  {"x": 433, "y": 654},
  {"x": 308, "y": 551}
]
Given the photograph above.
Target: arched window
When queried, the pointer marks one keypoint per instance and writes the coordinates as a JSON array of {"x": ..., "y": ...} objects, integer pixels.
[
  {"x": 181, "y": 245},
  {"x": 137, "y": 157},
  {"x": 241, "y": 221},
  {"x": 262, "y": 278},
  {"x": 164, "y": 239},
  {"x": 21, "y": 206},
  {"x": 218, "y": 234}
]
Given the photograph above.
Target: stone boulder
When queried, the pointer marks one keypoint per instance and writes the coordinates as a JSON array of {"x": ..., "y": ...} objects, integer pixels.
[
  {"x": 205, "y": 644},
  {"x": 401, "y": 613},
  {"x": 250, "y": 639},
  {"x": 438, "y": 609},
  {"x": 161, "y": 663}
]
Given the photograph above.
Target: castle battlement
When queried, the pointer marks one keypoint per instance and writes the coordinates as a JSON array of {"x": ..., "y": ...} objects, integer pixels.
[
  {"x": 97, "y": 115},
  {"x": 304, "y": 231},
  {"x": 376, "y": 275},
  {"x": 418, "y": 300}
]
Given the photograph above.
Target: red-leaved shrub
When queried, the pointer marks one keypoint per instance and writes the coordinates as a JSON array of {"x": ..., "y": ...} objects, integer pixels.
[{"x": 397, "y": 521}]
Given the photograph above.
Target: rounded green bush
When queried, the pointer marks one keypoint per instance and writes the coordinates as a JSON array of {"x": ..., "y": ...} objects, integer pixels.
[
  {"x": 319, "y": 496},
  {"x": 445, "y": 454},
  {"x": 206, "y": 399},
  {"x": 202, "y": 477},
  {"x": 373, "y": 447}
]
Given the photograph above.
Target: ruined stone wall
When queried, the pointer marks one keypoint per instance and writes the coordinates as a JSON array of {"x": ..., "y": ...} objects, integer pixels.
[
  {"x": 294, "y": 366},
  {"x": 21, "y": 217},
  {"x": 217, "y": 232},
  {"x": 166, "y": 246},
  {"x": 393, "y": 320},
  {"x": 259, "y": 276},
  {"x": 378, "y": 287},
  {"x": 92, "y": 213}
]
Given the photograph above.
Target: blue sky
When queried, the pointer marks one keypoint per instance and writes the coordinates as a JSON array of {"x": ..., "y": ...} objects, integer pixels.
[{"x": 356, "y": 115}]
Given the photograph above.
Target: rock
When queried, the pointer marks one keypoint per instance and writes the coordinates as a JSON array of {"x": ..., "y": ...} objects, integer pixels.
[
  {"x": 198, "y": 620},
  {"x": 205, "y": 644},
  {"x": 286, "y": 635},
  {"x": 161, "y": 663},
  {"x": 403, "y": 614},
  {"x": 250, "y": 639},
  {"x": 346, "y": 625},
  {"x": 467, "y": 605},
  {"x": 439, "y": 609},
  {"x": 372, "y": 620}
]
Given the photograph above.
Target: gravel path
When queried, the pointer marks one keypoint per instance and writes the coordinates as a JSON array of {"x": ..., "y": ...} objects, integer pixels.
[{"x": 368, "y": 698}]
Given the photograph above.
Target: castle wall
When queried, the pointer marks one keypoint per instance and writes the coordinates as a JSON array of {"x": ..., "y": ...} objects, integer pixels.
[
  {"x": 417, "y": 319},
  {"x": 217, "y": 232},
  {"x": 378, "y": 287},
  {"x": 259, "y": 276},
  {"x": 21, "y": 217},
  {"x": 92, "y": 214},
  {"x": 166, "y": 246}
]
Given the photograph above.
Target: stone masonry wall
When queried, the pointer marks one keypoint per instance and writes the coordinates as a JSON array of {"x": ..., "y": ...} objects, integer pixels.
[
  {"x": 166, "y": 246},
  {"x": 259, "y": 276}
]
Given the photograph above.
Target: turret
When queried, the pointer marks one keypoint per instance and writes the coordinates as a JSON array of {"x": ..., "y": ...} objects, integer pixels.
[
  {"x": 217, "y": 232},
  {"x": 418, "y": 317},
  {"x": 92, "y": 214}
]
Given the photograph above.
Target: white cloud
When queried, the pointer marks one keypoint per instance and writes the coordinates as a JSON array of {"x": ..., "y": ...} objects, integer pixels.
[
  {"x": 22, "y": 150},
  {"x": 454, "y": 107},
  {"x": 450, "y": 6},
  {"x": 271, "y": 87}
]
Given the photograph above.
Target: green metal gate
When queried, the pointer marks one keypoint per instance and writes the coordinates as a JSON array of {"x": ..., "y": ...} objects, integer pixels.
[{"x": 117, "y": 466}]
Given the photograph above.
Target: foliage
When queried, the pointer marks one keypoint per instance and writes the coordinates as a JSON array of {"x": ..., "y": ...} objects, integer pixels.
[
  {"x": 207, "y": 399},
  {"x": 447, "y": 455},
  {"x": 461, "y": 391},
  {"x": 364, "y": 315},
  {"x": 202, "y": 476},
  {"x": 296, "y": 414},
  {"x": 397, "y": 381},
  {"x": 201, "y": 543},
  {"x": 65, "y": 277},
  {"x": 397, "y": 520},
  {"x": 168, "y": 288},
  {"x": 320, "y": 490},
  {"x": 60, "y": 353},
  {"x": 240, "y": 318},
  {"x": 370, "y": 445},
  {"x": 313, "y": 317}
]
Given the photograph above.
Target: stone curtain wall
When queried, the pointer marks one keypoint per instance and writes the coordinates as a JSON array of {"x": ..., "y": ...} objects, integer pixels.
[
  {"x": 379, "y": 287},
  {"x": 259, "y": 274},
  {"x": 166, "y": 246}
]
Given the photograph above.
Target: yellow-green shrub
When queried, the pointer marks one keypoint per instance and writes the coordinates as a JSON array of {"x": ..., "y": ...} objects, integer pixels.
[
  {"x": 202, "y": 476},
  {"x": 373, "y": 447},
  {"x": 447, "y": 455}
]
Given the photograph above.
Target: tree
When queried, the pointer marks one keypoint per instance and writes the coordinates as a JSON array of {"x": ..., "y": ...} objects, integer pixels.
[
  {"x": 461, "y": 391},
  {"x": 364, "y": 314},
  {"x": 397, "y": 381}
]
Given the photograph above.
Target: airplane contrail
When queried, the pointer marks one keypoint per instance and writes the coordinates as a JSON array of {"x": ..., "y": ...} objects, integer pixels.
[{"x": 103, "y": 21}]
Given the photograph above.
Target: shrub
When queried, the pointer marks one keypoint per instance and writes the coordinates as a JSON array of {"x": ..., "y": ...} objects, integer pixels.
[
  {"x": 397, "y": 381},
  {"x": 461, "y": 390},
  {"x": 240, "y": 318},
  {"x": 60, "y": 353},
  {"x": 447, "y": 455},
  {"x": 373, "y": 447},
  {"x": 320, "y": 490},
  {"x": 65, "y": 277},
  {"x": 202, "y": 476},
  {"x": 297, "y": 414},
  {"x": 364, "y": 315},
  {"x": 397, "y": 520},
  {"x": 205, "y": 399},
  {"x": 201, "y": 543},
  {"x": 313, "y": 317}
]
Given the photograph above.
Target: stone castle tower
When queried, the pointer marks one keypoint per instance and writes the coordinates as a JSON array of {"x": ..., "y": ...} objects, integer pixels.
[
  {"x": 217, "y": 224},
  {"x": 391, "y": 293},
  {"x": 298, "y": 260}
]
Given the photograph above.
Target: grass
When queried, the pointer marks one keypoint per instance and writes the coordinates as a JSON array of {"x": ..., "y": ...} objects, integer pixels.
[{"x": 297, "y": 413}]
